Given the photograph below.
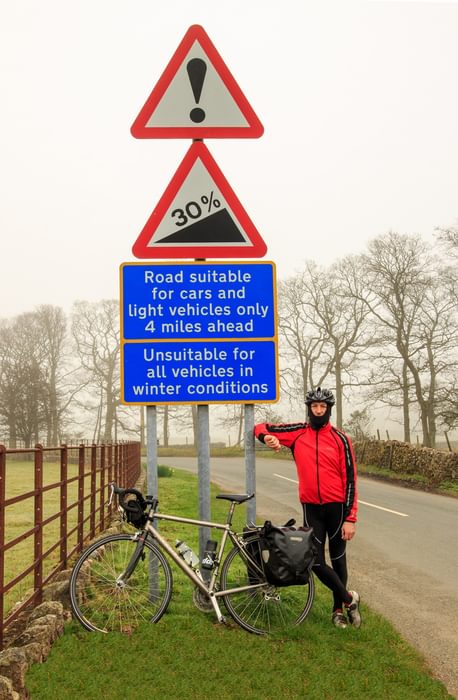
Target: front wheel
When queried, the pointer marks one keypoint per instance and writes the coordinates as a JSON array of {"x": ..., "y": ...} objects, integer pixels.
[
  {"x": 106, "y": 595},
  {"x": 265, "y": 609}
]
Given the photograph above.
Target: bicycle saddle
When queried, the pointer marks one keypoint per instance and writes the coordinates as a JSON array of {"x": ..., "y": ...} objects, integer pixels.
[{"x": 238, "y": 498}]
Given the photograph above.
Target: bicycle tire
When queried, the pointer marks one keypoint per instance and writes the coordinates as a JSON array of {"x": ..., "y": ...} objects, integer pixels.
[
  {"x": 264, "y": 610},
  {"x": 103, "y": 603}
]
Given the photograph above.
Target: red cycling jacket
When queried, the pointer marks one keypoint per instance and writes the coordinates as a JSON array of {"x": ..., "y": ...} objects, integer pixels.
[{"x": 325, "y": 463}]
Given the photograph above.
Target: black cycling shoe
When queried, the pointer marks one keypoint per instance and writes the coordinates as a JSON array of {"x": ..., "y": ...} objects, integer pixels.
[
  {"x": 339, "y": 619},
  {"x": 353, "y": 612}
]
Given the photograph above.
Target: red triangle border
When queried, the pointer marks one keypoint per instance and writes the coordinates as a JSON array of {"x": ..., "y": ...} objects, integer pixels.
[
  {"x": 139, "y": 128},
  {"x": 142, "y": 250}
]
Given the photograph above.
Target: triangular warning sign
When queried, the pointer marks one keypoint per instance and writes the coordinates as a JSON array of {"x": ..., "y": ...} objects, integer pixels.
[
  {"x": 199, "y": 216},
  {"x": 196, "y": 97}
]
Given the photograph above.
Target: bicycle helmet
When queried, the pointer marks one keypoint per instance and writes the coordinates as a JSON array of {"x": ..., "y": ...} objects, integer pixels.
[{"x": 320, "y": 395}]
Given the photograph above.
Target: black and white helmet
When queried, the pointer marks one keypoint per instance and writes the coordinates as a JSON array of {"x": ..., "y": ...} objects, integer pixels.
[{"x": 320, "y": 395}]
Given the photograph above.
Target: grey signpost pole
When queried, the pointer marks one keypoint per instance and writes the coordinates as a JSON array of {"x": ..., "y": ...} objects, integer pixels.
[
  {"x": 203, "y": 470},
  {"x": 152, "y": 484},
  {"x": 250, "y": 463},
  {"x": 151, "y": 450}
]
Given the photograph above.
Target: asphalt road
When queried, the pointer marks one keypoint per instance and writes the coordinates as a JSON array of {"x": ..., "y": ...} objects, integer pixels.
[{"x": 403, "y": 560}]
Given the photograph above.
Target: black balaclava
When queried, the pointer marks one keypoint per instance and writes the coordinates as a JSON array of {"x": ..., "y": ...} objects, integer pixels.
[{"x": 317, "y": 422}]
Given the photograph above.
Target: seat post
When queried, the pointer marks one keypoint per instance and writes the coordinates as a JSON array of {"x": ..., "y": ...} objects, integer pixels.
[{"x": 231, "y": 512}]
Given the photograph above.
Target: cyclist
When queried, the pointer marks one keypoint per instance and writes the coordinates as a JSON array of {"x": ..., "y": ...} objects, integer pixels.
[{"x": 326, "y": 471}]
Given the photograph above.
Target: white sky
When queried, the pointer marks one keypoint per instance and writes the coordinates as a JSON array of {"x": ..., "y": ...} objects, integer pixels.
[{"x": 359, "y": 102}]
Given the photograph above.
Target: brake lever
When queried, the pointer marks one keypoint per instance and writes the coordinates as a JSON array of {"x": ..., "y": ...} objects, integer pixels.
[{"x": 111, "y": 495}]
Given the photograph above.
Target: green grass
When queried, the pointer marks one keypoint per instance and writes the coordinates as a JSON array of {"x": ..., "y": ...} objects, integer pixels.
[
  {"x": 419, "y": 481},
  {"x": 449, "y": 487},
  {"x": 188, "y": 655},
  {"x": 414, "y": 479}
]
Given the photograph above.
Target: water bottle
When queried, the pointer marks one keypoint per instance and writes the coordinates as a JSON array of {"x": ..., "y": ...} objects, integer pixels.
[
  {"x": 209, "y": 555},
  {"x": 188, "y": 555}
]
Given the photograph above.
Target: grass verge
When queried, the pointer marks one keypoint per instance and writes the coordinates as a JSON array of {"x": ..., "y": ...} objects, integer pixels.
[
  {"x": 416, "y": 481},
  {"x": 188, "y": 655}
]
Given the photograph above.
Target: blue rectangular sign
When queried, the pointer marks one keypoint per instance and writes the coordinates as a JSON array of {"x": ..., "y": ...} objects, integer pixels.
[
  {"x": 199, "y": 372},
  {"x": 198, "y": 300}
]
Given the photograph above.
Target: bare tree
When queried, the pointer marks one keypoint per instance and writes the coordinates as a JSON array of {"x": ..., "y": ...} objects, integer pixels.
[
  {"x": 359, "y": 424},
  {"x": 448, "y": 245},
  {"x": 11, "y": 382},
  {"x": 95, "y": 329},
  {"x": 233, "y": 418},
  {"x": 22, "y": 386},
  {"x": 415, "y": 315},
  {"x": 448, "y": 237},
  {"x": 56, "y": 368},
  {"x": 301, "y": 341},
  {"x": 323, "y": 327}
]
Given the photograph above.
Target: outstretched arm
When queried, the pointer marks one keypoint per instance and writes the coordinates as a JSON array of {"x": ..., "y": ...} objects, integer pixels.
[{"x": 274, "y": 436}]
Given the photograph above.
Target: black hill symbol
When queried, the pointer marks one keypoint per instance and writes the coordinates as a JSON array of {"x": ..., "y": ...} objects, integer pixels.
[{"x": 216, "y": 228}]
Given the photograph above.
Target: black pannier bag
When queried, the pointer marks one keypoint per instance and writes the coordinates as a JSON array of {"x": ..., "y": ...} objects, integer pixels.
[
  {"x": 254, "y": 551},
  {"x": 288, "y": 554}
]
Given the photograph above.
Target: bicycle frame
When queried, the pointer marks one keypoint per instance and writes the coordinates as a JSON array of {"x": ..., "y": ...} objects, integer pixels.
[
  {"x": 207, "y": 588},
  {"x": 131, "y": 581}
]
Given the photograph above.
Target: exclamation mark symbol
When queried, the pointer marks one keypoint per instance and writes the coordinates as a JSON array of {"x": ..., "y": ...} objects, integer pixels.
[{"x": 196, "y": 68}]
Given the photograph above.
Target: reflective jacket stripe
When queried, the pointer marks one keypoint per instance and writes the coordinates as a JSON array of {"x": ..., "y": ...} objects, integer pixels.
[{"x": 350, "y": 473}]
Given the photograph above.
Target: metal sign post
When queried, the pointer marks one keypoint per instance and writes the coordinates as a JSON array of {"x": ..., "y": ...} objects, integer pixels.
[
  {"x": 152, "y": 488},
  {"x": 198, "y": 333},
  {"x": 151, "y": 451},
  {"x": 250, "y": 462},
  {"x": 203, "y": 470}
]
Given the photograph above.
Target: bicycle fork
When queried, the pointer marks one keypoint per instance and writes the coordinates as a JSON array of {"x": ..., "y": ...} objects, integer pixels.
[{"x": 130, "y": 568}]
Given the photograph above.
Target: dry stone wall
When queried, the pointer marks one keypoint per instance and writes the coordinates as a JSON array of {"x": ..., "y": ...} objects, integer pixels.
[{"x": 437, "y": 466}]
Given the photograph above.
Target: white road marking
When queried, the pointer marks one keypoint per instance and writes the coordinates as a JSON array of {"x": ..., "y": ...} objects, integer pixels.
[
  {"x": 280, "y": 476},
  {"x": 388, "y": 510},
  {"x": 365, "y": 503}
]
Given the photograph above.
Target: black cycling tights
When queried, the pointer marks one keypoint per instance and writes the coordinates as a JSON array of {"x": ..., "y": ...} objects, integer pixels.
[{"x": 327, "y": 520}]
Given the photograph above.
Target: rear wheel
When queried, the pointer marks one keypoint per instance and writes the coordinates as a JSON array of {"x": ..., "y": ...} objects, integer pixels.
[
  {"x": 266, "y": 609},
  {"x": 105, "y": 599}
]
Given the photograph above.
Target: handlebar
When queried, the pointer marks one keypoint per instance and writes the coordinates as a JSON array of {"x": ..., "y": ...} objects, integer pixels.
[
  {"x": 134, "y": 509},
  {"x": 131, "y": 505}
]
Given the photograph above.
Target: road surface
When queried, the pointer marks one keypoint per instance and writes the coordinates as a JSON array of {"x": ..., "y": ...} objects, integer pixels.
[{"x": 403, "y": 560}]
